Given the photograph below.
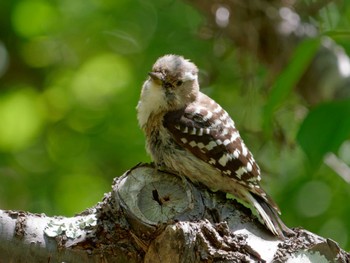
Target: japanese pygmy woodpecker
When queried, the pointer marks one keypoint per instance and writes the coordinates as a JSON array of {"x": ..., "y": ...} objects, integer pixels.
[{"x": 190, "y": 134}]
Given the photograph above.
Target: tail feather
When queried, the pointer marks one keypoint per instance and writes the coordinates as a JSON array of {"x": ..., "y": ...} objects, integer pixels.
[{"x": 269, "y": 215}]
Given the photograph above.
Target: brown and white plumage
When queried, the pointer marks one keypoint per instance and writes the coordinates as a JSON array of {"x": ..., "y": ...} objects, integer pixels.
[{"x": 190, "y": 134}]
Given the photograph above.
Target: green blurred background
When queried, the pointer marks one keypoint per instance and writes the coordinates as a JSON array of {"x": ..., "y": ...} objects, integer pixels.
[{"x": 70, "y": 77}]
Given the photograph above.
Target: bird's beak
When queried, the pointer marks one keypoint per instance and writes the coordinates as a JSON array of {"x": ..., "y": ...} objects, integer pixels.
[{"x": 156, "y": 77}]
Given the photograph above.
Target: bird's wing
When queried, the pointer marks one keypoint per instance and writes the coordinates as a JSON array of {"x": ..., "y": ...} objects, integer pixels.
[
  {"x": 212, "y": 137},
  {"x": 208, "y": 132}
]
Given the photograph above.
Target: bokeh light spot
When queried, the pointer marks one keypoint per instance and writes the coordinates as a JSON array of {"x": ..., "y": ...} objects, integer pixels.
[
  {"x": 21, "y": 118},
  {"x": 222, "y": 16},
  {"x": 344, "y": 151},
  {"x": 313, "y": 198},
  {"x": 99, "y": 79},
  {"x": 33, "y": 18},
  {"x": 4, "y": 59}
]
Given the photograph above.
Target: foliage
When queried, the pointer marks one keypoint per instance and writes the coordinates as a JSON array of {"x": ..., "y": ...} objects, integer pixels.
[
  {"x": 71, "y": 73},
  {"x": 324, "y": 130},
  {"x": 289, "y": 78}
]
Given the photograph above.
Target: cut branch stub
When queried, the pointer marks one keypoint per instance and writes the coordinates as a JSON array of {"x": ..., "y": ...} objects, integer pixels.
[{"x": 154, "y": 197}]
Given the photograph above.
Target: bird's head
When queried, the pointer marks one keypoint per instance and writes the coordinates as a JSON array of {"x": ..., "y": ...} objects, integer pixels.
[
  {"x": 171, "y": 85},
  {"x": 175, "y": 78}
]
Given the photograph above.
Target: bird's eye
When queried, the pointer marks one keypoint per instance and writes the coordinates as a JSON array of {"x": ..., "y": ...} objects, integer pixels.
[
  {"x": 167, "y": 85},
  {"x": 179, "y": 83}
]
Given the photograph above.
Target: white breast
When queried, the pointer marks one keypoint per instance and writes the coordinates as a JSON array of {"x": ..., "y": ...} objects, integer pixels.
[{"x": 151, "y": 101}]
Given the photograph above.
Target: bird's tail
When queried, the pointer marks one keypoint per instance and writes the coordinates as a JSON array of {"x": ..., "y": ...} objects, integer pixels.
[{"x": 269, "y": 213}]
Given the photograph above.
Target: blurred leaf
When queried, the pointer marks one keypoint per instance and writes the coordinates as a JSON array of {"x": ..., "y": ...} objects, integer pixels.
[
  {"x": 289, "y": 77},
  {"x": 324, "y": 129}
]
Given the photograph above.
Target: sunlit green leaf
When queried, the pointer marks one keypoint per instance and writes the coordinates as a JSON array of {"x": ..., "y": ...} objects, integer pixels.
[
  {"x": 289, "y": 77},
  {"x": 324, "y": 129}
]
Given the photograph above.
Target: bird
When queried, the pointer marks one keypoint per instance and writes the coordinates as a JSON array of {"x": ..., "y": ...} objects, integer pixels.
[{"x": 190, "y": 134}]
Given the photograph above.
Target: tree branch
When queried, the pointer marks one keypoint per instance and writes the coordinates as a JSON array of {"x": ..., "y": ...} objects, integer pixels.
[{"x": 156, "y": 217}]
